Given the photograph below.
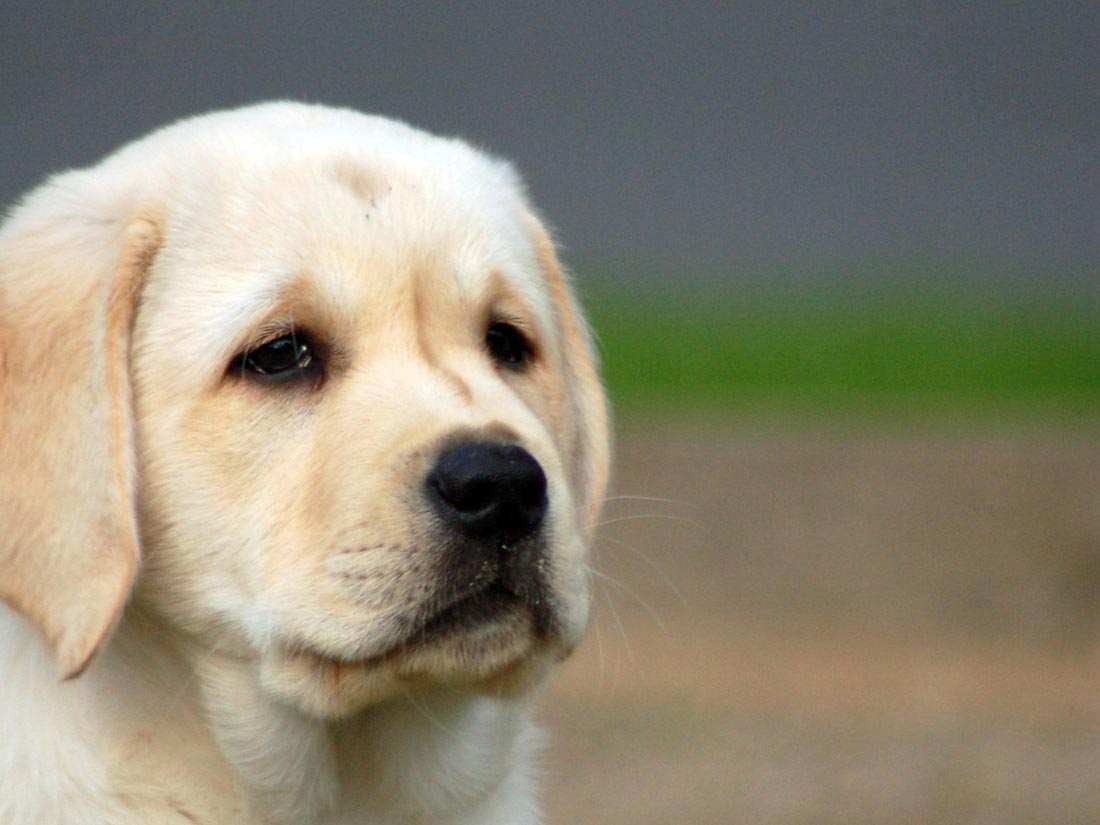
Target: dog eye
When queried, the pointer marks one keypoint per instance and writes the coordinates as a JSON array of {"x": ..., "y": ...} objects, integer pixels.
[
  {"x": 508, "y": 347},
  {"x": 290, "y": 357}
]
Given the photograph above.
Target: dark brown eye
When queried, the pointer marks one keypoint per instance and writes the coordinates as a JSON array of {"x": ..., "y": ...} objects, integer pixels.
[
  {"x": 508, "y": 346},
  {"x": 290, "y": 357}
]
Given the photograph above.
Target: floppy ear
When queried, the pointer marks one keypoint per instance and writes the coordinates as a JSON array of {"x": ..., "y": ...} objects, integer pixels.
[
  {"x": 591, "y": 444},
  {"x": 68, "y": 535}
]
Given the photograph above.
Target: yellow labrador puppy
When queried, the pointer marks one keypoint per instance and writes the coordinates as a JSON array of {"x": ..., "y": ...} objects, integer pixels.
[{"x": 301, "y": 449}]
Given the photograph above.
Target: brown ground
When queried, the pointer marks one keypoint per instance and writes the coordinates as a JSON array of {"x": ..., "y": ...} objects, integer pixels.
[{"x": 839, "y": 628}]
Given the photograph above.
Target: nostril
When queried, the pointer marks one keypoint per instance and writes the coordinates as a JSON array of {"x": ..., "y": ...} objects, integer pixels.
[{"x": 489, "y": 489}]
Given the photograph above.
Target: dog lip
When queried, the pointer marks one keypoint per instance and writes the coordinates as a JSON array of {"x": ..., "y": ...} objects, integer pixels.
[
  {"x": 475, "y": 607},
  {"x": 466, "y": 612}
]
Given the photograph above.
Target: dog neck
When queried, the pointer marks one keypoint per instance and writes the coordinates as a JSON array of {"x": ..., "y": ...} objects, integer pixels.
[
  {"x": 182, "y": 734},
  {"x": 437, "y": 755}
]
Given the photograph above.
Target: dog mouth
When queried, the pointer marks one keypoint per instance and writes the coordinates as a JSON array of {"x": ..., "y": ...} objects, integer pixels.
[
  {"x": 477, "y": 620},
  {"x": 489, "y": 627},
  {"x": 478, "y": 612},
  {"x": 466, "y": 612}
]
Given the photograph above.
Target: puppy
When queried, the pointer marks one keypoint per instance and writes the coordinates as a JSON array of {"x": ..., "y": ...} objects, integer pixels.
[{"x": 302, "y": 444}]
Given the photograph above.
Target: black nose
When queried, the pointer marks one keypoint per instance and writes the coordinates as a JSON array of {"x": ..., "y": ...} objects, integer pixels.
[{"x": 489, "y": 490}]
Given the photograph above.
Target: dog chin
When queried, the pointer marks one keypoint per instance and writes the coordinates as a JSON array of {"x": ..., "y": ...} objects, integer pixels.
[{"x": 502, "y": 657}]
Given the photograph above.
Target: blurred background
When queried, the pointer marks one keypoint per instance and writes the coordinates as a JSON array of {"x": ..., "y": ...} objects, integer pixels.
[{"x": 844, "y": 264}]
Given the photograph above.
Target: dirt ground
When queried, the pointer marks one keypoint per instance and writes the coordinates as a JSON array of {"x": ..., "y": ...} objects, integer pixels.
[{"x": 837, "y": 627}]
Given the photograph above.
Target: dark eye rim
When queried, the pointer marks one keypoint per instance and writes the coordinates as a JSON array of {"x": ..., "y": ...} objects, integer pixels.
[
  {"x": 509, "y": 346},
  {"x": 307, "y": 366}
]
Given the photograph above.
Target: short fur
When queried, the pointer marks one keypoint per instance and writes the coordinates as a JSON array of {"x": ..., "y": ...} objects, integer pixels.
[{"x": 206, "y": 576}]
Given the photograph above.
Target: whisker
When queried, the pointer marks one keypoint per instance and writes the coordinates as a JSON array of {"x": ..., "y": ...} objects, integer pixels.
[
  {"x": 601, "y": 653},
  {"x": 601, "y": 579},
  {"x": 654, "y": 500},
  {"x": 652, "y": 564},
  {"x": 590, "y": 571},
  {"x": 654, "y": 516},
  {"x": 633, "y": 594},
  {"x": 609, "y": 679}
]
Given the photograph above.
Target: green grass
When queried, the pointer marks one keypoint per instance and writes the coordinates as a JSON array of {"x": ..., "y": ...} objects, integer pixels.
[{"x": 827, "y": 351}]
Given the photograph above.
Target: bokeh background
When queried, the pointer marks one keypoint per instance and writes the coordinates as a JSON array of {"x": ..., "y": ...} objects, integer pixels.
[{"x": 844, "y": 263}]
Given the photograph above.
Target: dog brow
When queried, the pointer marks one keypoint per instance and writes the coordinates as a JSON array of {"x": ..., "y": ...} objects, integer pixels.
[{"x": 243, "y": 312}]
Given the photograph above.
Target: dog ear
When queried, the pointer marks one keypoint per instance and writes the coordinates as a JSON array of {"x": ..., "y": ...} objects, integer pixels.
[
  {"x": 591, "y": 443},
  {"x": 68, "y": 536}
]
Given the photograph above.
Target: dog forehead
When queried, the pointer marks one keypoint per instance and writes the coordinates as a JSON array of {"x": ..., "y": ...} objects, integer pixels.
[{"x": 350, "y": 215}]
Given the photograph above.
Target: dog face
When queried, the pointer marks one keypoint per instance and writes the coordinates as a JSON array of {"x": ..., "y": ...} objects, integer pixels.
[{"x": 349, "y": 409}]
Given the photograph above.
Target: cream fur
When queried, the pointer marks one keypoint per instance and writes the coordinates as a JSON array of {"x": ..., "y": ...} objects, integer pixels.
[{"x": 220, "y": 569}]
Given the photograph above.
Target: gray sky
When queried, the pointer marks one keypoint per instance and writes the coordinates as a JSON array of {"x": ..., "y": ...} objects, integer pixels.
[{"x": 720, "y": 136}]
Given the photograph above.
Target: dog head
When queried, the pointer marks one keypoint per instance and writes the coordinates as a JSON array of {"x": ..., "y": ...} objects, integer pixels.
[{"x": 323, "y": 375}]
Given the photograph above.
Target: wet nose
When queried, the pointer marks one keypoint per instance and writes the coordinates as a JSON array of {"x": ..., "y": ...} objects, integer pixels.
[{"x": 489, "y": 490}]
